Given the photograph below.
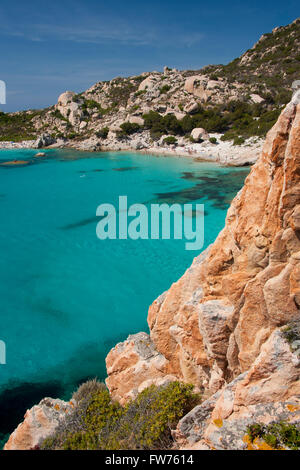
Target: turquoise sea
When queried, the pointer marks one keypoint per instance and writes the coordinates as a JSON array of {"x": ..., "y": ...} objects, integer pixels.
[{"x": 67, "y": 297}]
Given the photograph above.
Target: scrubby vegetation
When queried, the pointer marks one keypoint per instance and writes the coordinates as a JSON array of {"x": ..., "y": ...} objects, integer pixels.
[
  {"x": 164, "y": 89},
  {"x": 57, "y": 114},
  {"x": 92, "y": 105},
  {"x": 99, "y": 423},
  {"x": 276, "y": 435},
  {"x": 269, "y": 68},
  {"x": 129, "y": 128},
  {"x": 121, "y": 89},
  {"x": 236, "y": 119},
  {"x": 170, "y": 140},
  {"x": 291, "y": 333},
  {"x": 17, "y": 127},
  {"x": 102, "y": 133}
]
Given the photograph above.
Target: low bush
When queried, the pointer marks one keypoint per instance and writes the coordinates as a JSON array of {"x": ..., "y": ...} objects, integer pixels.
[
  {"x": 87, "y": 389},
  {"x": 140, "y": 93},
  {"x": 98, "y": 423},
  {"x": 17, "y": 127},
  {"x": 57, "y": 114},
  {"x": 129, "y": 128},
  {"x": 164, "y": 89},
  {"x": 276, "y": 435},
  {"x": 291, "y": 332},
  {"x": 238, "y": 141},
  {"x": 102, "y": 133},
  {"x": 171, "y": 140}
]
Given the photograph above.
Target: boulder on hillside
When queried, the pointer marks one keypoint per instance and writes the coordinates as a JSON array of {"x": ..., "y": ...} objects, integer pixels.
[
  {"x": 69, "y": 108},
  {"x": 199, "y": 134},
  {"x": 191, "y": 108},
  {"x": 82, "y": 125},
  {"x": 136, "y": 120},
  {"x": 66, "y": 98},
  {"x": 147, "y": 84},
  {"x": 256, "y": 98},
  {"x": 196, "y": 86}
]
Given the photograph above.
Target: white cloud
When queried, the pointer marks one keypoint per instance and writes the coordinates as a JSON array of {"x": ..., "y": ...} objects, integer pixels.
[{"x": 103, "y": 31}]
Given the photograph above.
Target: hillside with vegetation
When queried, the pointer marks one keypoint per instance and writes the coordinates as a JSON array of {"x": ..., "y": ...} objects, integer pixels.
[{"x": 237, "y": 101}]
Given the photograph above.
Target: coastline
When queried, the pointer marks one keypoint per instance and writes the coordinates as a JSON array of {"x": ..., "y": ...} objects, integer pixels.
[{"x": 222, "y": 153}]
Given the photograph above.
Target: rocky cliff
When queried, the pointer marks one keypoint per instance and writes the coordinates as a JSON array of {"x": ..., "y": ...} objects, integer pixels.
[
  {"x": 230, "y": 325},
  {"x": 224, "y": 326}
]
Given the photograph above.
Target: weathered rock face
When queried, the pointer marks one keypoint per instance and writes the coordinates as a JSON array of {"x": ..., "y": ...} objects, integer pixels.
[
  {"x": 44, "y": 141},
  {"x": 269, "y": 391},
  {"x": 39, "y": 422},
  {"x": 145, "y": 362},
  {"x": 68, "y": 108},
  {"x": 211, "y": 325}
]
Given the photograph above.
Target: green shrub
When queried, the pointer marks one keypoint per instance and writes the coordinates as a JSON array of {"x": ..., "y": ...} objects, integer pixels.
[
  {"x": 80, "y": 429},
  {"x": 87, "y": 389},
  {"x": 238, "y": 141},
  {"x": 140, "y": 93},
  {"x": 98, "y": 423},
  {"x": 213, "y": 140},
  {"x": 102, "y": 133},
  {"x": 57, "y": 114},
  {"x": 276, "y": 435},
  {"x": 164, "y": 89},
  {"x": 291, "y": 332},
  {"x": 19, "y": 126},
  {"x": 129, "y": 128},
  {"x": 93, "y": 105},
  {"x": 72, "y": 135},
  {"x": 170, "y": 140}
]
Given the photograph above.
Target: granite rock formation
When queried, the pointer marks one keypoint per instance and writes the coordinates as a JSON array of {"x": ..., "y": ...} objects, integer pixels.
[{"x": 220, "y": 326}]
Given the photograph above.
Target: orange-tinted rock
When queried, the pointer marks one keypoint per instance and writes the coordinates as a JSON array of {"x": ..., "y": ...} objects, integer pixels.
[
  {"x": 15, "y": 163},
  {"x": 132, "y": 363},
  {"x": 211, "y": 325},
  {"x": 39, "y": 422},
  {"x": 269, "y": 391}
]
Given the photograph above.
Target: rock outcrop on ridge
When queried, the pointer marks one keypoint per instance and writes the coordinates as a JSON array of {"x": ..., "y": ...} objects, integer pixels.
[{"x": 221, "y": 326}]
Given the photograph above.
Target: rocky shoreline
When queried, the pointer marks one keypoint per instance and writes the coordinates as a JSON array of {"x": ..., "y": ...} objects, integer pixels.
[{"x": 223, "y": 153}]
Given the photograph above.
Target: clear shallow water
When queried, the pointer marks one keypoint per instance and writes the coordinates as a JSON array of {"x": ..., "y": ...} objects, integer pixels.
[{"x": 67, "y": 297}]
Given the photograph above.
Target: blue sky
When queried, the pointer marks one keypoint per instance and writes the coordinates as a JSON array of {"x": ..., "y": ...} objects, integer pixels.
[{"x": 48, "y": 47}]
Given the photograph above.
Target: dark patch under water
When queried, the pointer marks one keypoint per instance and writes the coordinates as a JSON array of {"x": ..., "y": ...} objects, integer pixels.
[
  {"x": 219, "y": 190},
  {"x": 16, "y": 400},
  {"x": 81, "y": 223},
  {"x": 97, "y": 170},
  {"x": 21, "y": 396},
  {"x": 125, "y": 168}
]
